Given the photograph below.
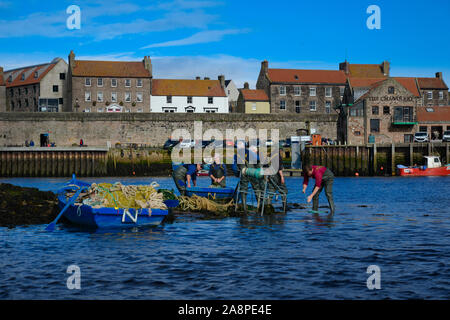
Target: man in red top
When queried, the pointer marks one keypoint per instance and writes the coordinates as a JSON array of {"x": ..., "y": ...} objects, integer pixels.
[{"x": 324, "y": 179}]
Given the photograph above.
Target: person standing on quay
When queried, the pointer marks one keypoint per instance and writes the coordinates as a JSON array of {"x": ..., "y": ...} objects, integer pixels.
[{"x": 324, "y": 180}]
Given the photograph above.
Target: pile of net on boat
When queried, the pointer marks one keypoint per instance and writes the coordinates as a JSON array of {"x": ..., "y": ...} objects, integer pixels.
[
  {"x": 197, "y": 203},
  {"x": 118, "y": 195}
]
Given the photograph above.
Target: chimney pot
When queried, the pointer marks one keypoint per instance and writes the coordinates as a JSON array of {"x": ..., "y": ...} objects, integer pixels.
[
  {"x": 246, "y": 85},
  {"x": 197, "y": 78},
  {"x": 206, "y": 78},
  {"x": 265, "y": 66},
  {"x": 221, "y": 79},
  {"x": 344, "y": 66},
  {"x": 439, "y": 75}
]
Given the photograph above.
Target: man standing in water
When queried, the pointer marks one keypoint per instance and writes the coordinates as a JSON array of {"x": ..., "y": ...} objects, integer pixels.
[{"x": 324, "y": 179}]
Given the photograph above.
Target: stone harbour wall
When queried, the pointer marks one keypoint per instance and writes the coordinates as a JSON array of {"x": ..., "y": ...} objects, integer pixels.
[{"x": 150, "y": 129}]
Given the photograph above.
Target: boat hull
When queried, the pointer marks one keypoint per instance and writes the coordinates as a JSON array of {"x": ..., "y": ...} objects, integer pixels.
[
  {"x": 418, "y": 172},
  {"x": 211, "y": 193}
]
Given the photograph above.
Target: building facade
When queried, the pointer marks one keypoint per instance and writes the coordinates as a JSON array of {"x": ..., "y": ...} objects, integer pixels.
[
  {"x": 39, "y": 88},
  {"x": 301, "y": 91},
  {"x": 189, "y": 96},
  {"x": 434, "y": 120},
  {"x": 2, "y": 92},
  {"x": 252, "y": 101},
  {"x": 383, "y": 111},
  {"x": 109, "y": 86},
  {"x": 434, "y": 91},
  {"x": 232, "y": 93}
]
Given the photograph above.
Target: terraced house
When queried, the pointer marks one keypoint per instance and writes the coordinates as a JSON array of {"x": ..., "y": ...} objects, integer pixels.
[
  {"x": 109, "y": 86},
  {"x": 189, "y": 96},
  {"x": 434, "y": 91},
  {"x": 38, "y": 88},
  {"x": 301, "y": 91}
]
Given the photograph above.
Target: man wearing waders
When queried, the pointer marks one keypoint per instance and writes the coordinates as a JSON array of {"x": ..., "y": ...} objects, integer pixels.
[
  {"x": 276, "y": 180},
  {"x": 245, "y": 158},
  {"x": 184, "y": 174},
  {"x": 218, "y": 173},
  {"x": 324, "y": 179}
]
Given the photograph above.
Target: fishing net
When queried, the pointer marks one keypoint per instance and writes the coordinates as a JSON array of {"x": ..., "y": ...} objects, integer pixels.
[
  {"x": 196, "y": 203},
  {"x": 118, "y": 195}
]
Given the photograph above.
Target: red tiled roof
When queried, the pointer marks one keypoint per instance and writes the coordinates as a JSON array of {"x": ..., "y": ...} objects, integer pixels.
[
  {"x": 439, "y": 114},
  {"x": 307, "y": 76},
  {"x": 28, "y": 73},
  {"x": 409, "y": 84},
  {"x": 432, "y": 83},
  {"x": 364, "y": 82},
  {"x": 119, "y": 69},
  {"x": 254, "y": 95},
  {"x": 366, "y": 71},
  {"x": 194, "y": 88}
]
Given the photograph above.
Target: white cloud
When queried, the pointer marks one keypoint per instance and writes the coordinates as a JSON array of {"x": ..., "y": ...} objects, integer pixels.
[{"x": 200, "y": 37}]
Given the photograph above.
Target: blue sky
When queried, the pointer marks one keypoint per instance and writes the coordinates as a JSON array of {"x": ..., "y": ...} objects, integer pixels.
[{"x": 208, "y": 37}]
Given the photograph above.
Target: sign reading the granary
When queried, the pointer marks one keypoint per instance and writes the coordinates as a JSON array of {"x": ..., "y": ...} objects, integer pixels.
[{"x": 391, "y": 98}]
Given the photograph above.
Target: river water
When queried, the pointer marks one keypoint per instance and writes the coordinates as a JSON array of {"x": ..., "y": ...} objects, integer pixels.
[{"x": 401, "y": 225}]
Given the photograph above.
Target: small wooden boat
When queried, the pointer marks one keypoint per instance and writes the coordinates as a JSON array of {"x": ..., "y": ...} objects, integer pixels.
[
  {"x": 433, "y": 167},
  {"x": 88, "y": 216},
  {"x": 211, "y": 193}
]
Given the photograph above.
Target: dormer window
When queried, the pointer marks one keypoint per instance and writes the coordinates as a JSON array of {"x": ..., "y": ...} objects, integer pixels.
[
  {"x": 296, "y": 77},
  {"x": 22, "y": 77},
  {"x": 36, "y": 74},
  {"x": 10, "y": 78},
  {"x": 391, "y": 90}
]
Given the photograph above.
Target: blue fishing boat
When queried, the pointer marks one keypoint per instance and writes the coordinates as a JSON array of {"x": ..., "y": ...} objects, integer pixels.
[
  {"x": 103, "y": 217},
  {"x": 224, "y": 194}
]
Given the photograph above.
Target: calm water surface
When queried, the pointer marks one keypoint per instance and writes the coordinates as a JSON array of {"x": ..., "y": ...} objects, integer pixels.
[{"x": 400, "y": 224}]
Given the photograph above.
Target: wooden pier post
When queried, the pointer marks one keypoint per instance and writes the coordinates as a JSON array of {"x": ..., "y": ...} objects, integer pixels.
[
  {"x": 375, "y": 159},
  {"x": 447, "y": 153},
  {"x": 411, "y": 155},
  {"x": 393, "y": 159}
]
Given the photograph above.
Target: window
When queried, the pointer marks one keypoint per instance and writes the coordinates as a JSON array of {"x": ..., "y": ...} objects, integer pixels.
[
  {"x": 127, "y": 97},
  {"x": 62, "y": 76},
  {"x": 171, "y": 110},
  {"x": 254, "y": 106},
  {"x": 169, "y": 99},
  {"x": 386, "y": 110},
  {"x": 282, "y": 90},
  {"x": 100, "y": 96},
  {"x": 430, "y": 95},
  {"x": 87, "y": 96},
  {"x": 210, "y": 110},
  {"x": 60, "y": 101},
  {"x": 139, "y": 83},
  {"x": 423, "y": 129},
  {"x": 441, "y": 95},
  {"x": 113, "y": 96},
  {"x": 140, "y": 110},
  {"x": 26, "y": 103},
  {"x": 312, "y": 91},
  {"x": 55, "y": 88},
  {"x": 341, "y": 91},
  {"x": 189, "y": 99},
  {"x": 139, "y": 97},
  {"x": 87, "y": 110},
  {"x": 375, "y": 110},
  {"x": 128, "y": 110},
  {"x": 403, "y": 114},
  {"x": 282, "y": 105},
  {"x": 408, "y": 138},
  {"x": 127, "y": 83},
  {"x": 99, "y": 82},
  {"x": 312, "y": 106},
  {"x": 391, "y": 90},
  {"x": 36, "y": 74},
  {"x": 297, "y": 91},
  {"x": 100, "y": 110},
  {"x": 297, "y": 106},
  {"x": 190, "y": 109},
  {"x": 87, "y": 82},
  {"x": 374, "y": 125},
  {"x": 328, "y": 92},
  {"x": 26, "y": 90},
  {"x": 22, "y": 77},
  {"x": 328, "y": 107},
  {"x": 114, "y": 83},
  {"x": 356, "y": 112},
  {"x": 357, "y": 133},
  {"x": 210, "y": 100}
]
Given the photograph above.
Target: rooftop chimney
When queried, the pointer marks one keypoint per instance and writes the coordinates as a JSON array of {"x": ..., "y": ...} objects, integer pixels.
[
  {"x": 197, "y": 78},
  {"x": 344, "y": 66},
  {"x": 385, "y": 68},
  {"x": 148, "y": 64},
  {"x": 439, "y": 75},
  {"x": 71, "y": 60},
  {"x": 265, "y": 66},
  {"x": 206, "y": 78},
  {"x": 222, "y": 80},
  {"x": 246, "y": 85}
]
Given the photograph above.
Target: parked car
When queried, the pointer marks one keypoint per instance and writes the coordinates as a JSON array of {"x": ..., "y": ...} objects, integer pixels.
[
  {"x": 446, "y": 136},
  {"x": 185, "y": 144},
  {"x": 169, "y": 144},
  {"x": 421, "y": 137}
]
